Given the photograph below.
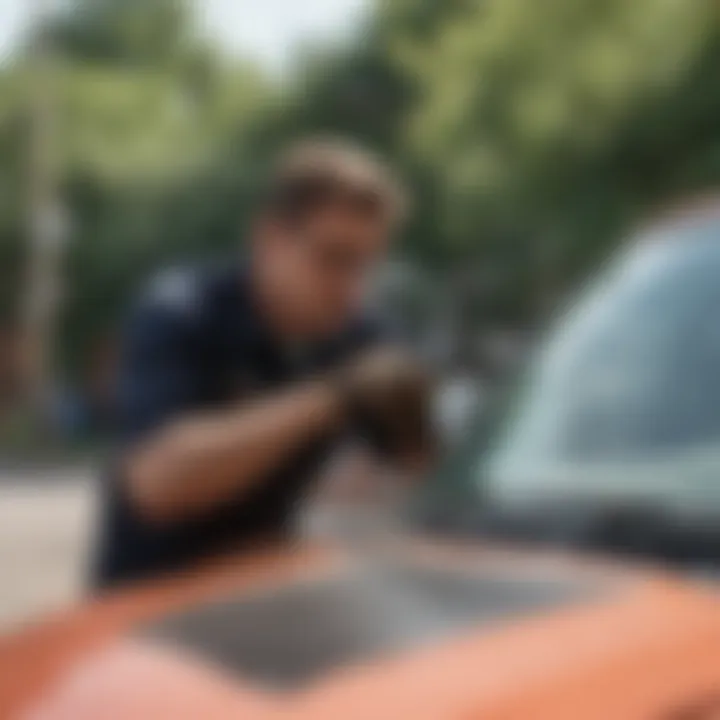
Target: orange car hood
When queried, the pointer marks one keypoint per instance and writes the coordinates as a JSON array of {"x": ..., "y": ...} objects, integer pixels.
[{"x": 644, "y": 646}]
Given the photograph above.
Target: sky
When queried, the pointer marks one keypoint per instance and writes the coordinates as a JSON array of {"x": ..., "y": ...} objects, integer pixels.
[
  {"x": 266, "y": 29},
  {"x": 270, "y": 29}
]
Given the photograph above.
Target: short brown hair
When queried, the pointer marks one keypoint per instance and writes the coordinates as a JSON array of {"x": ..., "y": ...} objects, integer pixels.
[{"x": 313, "y": 174}]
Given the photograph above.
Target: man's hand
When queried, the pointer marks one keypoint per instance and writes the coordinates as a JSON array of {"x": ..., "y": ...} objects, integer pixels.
[{"x": 389, "y": 394}]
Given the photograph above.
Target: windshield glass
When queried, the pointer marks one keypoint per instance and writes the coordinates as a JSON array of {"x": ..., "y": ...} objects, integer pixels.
[{"x": 625, "y": 397}]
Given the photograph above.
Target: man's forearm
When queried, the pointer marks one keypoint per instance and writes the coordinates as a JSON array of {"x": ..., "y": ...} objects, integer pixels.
[{"x": 197, "y": 463}]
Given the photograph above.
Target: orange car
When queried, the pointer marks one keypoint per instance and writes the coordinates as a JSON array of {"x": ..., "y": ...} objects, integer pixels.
[
  {"x": 412, "y": 630},
  {"x": 610, "y": 444}
]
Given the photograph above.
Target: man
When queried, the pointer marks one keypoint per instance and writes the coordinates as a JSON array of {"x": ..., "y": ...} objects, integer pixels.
[{"x": 235, "y": 383}]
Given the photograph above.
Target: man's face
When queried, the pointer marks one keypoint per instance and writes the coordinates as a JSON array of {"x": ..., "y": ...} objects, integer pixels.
[{"x": 323, "y": 265}]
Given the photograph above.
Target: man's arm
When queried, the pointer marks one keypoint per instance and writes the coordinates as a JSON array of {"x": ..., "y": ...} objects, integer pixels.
[
  {"x": 195, "y": 464},
  {"x": 180, "y": 463}
]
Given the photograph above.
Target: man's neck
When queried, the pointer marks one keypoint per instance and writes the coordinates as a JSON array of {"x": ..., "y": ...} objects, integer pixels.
[{"x": 272, "y": 307}]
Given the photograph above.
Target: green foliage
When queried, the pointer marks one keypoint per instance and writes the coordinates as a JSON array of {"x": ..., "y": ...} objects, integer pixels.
[
  {"x": 529, "y": 132},
  {"x": 143, "y": 114},
  {"x": 129, "y": 32},
  {"x": 553, "y": 122}
]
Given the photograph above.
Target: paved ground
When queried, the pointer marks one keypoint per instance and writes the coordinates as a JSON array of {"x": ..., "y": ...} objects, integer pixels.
[{"x": 45, "y": 523}]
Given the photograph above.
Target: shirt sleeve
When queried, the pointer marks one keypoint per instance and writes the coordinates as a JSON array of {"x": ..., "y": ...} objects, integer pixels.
[{"x": 157, "y": 379}]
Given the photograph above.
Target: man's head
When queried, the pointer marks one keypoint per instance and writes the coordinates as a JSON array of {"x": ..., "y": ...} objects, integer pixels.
[{"x": 325, "y": 223}]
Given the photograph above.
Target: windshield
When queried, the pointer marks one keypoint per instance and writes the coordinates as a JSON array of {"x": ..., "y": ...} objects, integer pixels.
[{"x": 625, "y": 397}]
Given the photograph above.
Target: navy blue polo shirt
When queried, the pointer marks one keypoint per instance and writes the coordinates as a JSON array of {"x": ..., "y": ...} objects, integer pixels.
[{"x": 195, "y": 341}]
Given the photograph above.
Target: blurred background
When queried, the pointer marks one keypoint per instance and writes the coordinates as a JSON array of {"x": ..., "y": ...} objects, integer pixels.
[{"x": 133, "y": 132}]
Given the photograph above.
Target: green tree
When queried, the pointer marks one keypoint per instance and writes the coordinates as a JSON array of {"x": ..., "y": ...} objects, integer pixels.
[
  {"x": 129, "y": 32},
  {"x": 540, "y": 120},
  {"x": 144, "y": 112}
]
